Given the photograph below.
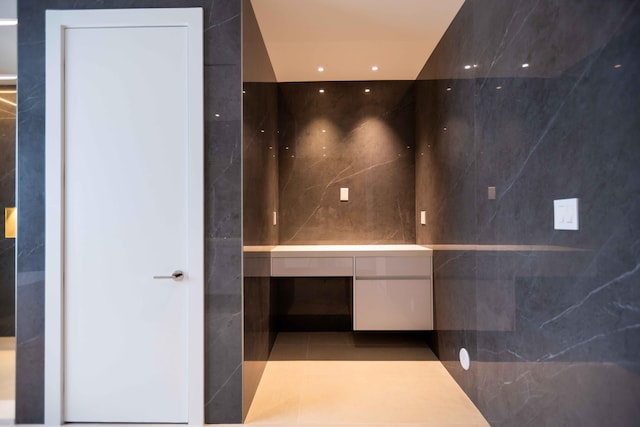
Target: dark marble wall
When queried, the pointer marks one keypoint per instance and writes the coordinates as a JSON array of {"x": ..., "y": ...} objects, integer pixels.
[
  {"x": 346, "y": 137},
  {"x": 260, "y": 199},
  {"x": 551, "y": 318},
  {"x": 7, "y": 199},
  {"x": 223, "y": 251}
]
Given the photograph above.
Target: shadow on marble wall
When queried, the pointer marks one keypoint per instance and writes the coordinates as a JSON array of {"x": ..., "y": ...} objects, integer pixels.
[
  {"x": 260, "y": 163},
  {"x": 346, "y": 137},
  {"x": 551, "y": 318},
  {"x": 7, "y": 199},
  {"x": 260, "y": 186},
  {"x": 260, "y": 201}
]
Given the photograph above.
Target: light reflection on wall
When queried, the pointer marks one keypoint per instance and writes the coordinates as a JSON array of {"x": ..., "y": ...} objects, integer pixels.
[{"x": 347, "y": 138}]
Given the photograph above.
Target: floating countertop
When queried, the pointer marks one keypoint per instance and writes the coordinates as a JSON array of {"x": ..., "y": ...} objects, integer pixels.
[
  {"x": 257, "y": 259},
  {"x": 504, "y": 248},
  {"x": 348, "y": 250},
  {"x": 280, "y": 251}
]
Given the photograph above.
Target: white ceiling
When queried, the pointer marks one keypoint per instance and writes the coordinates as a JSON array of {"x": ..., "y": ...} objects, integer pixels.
[
  {"x": 348, "y": 37},
  {"x": 8, "y": 41}
]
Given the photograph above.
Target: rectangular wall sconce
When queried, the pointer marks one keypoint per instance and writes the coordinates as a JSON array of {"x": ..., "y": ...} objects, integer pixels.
[
  {"x": 10, "y": 223},
  {"x": 344, "y": 194}
]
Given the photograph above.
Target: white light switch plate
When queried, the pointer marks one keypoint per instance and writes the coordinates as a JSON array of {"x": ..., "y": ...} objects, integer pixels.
[
  {"x": 275, "y": 218},
  {"x": 423, "y": 217},
  {"x": 565, "y": 214},
  {"x": 344, "y": 194}
]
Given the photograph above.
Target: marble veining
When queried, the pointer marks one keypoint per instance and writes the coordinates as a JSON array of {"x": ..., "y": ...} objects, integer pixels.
[
  {"x": 592, "y": 293},
  {"x": 260, "y": 201},
  {"x": 346, "y": 137},
  {"x": 551, "y": 318}
]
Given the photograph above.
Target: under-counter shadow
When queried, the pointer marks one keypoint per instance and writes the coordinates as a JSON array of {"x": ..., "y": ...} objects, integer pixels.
[
  {"x": 351, "y": 346},
  {"x": 313, "y": 304}
]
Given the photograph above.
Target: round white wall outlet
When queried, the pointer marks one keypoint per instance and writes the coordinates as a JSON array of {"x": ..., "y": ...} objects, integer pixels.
[{"x": 465, "y": 361}]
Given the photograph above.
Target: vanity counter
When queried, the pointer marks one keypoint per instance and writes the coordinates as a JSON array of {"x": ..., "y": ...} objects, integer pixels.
[
  {"x": 392, "y": 287},
  {"x": 286, "y": 251}
]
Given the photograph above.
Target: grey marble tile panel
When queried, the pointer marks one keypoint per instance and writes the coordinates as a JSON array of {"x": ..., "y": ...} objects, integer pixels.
[
  {"x": 346, "y": 137},
  {"x": 30, "y": 348},
  {"x": 223, "y": 358},
  {"x": 556, "y": 333},
  {"x": 223, "y": 174},
  {"x": 222, "y": 32},
  {"x": 222, "y": 93}
]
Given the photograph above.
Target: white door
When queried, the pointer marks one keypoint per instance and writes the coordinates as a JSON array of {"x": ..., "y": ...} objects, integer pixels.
[{"x": 130, "y": 255}]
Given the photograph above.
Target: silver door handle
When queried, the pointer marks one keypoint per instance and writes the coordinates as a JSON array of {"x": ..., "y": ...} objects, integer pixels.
[{"x": 176, "y": 275}]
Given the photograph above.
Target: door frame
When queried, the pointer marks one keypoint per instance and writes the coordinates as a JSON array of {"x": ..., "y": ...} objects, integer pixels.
[{"x": 56, "y": 23}]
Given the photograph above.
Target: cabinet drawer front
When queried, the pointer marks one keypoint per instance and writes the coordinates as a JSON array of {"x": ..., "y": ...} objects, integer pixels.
[
  {"x": 317, "y": 267},
  {"x": 393, "y": 266},
  {"x": 383, "y": 305}
]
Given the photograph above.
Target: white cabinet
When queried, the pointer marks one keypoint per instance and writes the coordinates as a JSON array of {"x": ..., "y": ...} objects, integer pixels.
[
  {"x": 392, "y": 293},
  {"x": 386, "y": 266},
  {"x": 399, "y": 304},
  {"x": 392, "y": 288},
  {"x": 312, "y": 267}
]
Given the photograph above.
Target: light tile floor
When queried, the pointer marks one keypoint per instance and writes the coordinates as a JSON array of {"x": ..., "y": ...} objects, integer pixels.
[
  {"x": 7, "y": 379},
  {"x": 345, "y": 379},
  {"x": 335, "y": 380}
]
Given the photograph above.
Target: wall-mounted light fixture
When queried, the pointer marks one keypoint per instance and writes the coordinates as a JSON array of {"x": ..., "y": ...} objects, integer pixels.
[{"x": 10, "y": 223}]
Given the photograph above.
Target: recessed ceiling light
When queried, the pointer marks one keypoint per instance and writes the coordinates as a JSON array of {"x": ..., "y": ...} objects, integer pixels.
[
  {"x": 321, "y": 91},
  {"x": 617, "y": 66},
  {"x": 367, "y": 90},
  {"x": 320, "y": 69},
  {"x": 525, "y": 65},
  {"x": 324, "y": 130},
  {"x": 467, "y": 67},
  {"x": 498, "y": 87},
  {"x": 262, "y": 130},
  {"x": 8, "y": 22},
  {"x": 475, "y": 65},
  {"x": 449, "y": 89},
  {"x": 374, "y": 68},
  {"x": 217, "y": 115}
]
